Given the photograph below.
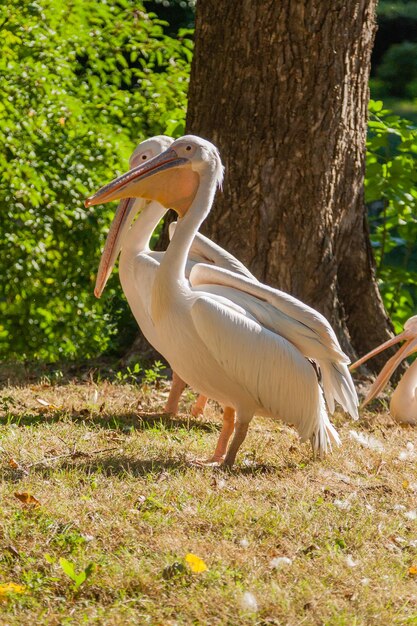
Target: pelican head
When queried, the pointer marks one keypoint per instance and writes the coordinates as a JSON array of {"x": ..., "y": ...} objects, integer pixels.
[
  {"x": 128, "y": 208},
  {"x": 409, "y": 336},
  {"x": 171, "y": 178}
]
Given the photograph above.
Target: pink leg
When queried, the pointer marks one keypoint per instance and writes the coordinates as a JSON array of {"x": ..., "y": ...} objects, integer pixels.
[
  {"x": 198, "y": 407},
  {"x": 225, "y": 434},
  {"x": 241, "y": 430},
  {"x": 177, "y": 387}
]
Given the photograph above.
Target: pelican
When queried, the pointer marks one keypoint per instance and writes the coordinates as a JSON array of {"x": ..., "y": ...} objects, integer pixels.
[
  {"x": 242, "y": 343},
  {"x": 403, "y": 404},
  {"x": 138, "y": 266}
]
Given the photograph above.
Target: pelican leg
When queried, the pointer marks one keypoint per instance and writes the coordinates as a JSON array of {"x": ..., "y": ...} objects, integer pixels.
[
  {"x": 241, "y": 429},
  {"x": 177, "y": 387},
  {"x": 198, "y": 407},
  {"x": 225, "y": 434}
]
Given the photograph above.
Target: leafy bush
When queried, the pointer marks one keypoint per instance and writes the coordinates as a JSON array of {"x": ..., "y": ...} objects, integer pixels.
[
  {"x": 411, "y": 89},
  {"x": 178, "y": 13},
  {"x": 82, "y": 83},
  {"x": 398, "y": 68},
  {"x": 405, "y": 9},
  {"x": 391, "y": 191}
]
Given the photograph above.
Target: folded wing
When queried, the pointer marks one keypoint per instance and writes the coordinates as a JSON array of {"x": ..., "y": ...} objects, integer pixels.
[
  {"x": 203, "y": 250},
  {"x": 290, "y": 318}
]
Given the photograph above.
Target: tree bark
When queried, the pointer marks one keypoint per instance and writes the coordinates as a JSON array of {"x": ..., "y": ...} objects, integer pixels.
[{"x": 282, "y": 89}]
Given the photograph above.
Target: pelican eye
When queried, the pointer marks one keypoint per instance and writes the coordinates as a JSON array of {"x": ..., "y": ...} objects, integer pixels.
[
  {"x": 144, "y": 157},
  {"x": 188, "y": 148}
]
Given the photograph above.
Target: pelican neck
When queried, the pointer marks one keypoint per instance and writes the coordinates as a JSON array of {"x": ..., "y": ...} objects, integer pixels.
[
  {"x": 139, "y": 235},
  {"x": 175, "y": 258}
]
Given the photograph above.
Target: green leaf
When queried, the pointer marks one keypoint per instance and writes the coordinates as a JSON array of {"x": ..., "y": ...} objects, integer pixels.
[
  {"x": 68, "y": 569},
  {"x": 79, "y": 91}
]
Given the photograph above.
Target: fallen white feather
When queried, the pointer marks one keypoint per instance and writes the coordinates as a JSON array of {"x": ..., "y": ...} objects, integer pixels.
[
  {"x": 279, "y": 562},
  {"x": 248, "y": 602},
  {"x": 367, "y": 441},
  {"x": 408, "y": 454},
  {"x": 343, "y": 505},
  {"x": 342, "y": 477},
  {"x": 248, "y": 462}
]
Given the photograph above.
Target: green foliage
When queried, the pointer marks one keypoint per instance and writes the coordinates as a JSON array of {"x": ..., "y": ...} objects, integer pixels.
[
  {"x": 399, "y": 8},
  {"x": 129, "y": 375},
  {"x": 78, "y": 579},
  {"x": 178, "y": 13},
  {"x": 154, "y": 373},
  {"x": 391, "y": 192},
  {"x": 82, "y": 83},
  {"x": 135, "y": 373},
  {"x": 398, "y": 69}
]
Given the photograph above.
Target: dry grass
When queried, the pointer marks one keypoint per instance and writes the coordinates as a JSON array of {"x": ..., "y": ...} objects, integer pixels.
[{"x": 123, "y": 496}]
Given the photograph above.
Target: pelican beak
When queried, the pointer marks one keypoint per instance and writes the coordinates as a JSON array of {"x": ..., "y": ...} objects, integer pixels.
[
  {"x": 409, "y": 346},
  {"x": 141, "y": 181},
  {"x": 167, "y": 179},
  {"x": 122, "y": 220},
  {"x": 405, "y": 335}
]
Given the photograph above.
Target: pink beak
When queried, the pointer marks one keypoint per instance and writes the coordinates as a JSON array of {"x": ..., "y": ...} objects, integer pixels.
[
  {"x": 391, "y": 365},
  {"x": 124, "y": 188}
]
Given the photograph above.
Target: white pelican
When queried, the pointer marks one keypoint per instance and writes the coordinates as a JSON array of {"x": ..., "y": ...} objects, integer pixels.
[
  {"x": 403, "y": 404},
  {"x": 241, "y": 343},
  {"x": 138, "y": 266}
]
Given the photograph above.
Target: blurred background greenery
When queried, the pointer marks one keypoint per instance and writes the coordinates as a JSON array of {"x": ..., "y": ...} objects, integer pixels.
[{"x": 83, "y": 83}]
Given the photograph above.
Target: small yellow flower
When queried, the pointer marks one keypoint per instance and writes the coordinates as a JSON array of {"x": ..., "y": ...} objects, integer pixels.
[
  {"x": 195, "y": 564},
  {"x": 8, "y": 588}
]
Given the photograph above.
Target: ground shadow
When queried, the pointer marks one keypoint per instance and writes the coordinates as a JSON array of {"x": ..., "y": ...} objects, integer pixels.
[
  {"x": 70, "y": 372},
  {"x": 109, "y": 465},
  {"x": 122, "y": 465},
  {"x": 122, "y": 422}
]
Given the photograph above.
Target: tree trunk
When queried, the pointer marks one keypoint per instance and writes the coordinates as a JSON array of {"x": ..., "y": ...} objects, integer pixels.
[{"x": 282, "y": 89}]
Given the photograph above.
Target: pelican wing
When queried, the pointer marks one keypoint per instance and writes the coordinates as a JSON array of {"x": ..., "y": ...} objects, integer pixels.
[
  {"x": 206, "y": 251},
  {"x": 283, "y": 314},
  {"x": 278, "y": 379}
]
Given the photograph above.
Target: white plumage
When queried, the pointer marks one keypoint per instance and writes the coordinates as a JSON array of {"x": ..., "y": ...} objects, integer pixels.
[
  {"x": 242, "y": 343},
  {"x": 138, "y": 263}
]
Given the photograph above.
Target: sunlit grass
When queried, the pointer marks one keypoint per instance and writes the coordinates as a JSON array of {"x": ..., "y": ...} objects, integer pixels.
[{"x": 119, "y": 496}]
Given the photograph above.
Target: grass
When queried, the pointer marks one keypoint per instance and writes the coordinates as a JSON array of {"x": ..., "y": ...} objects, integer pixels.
[{"x": 120, "y": 501}]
